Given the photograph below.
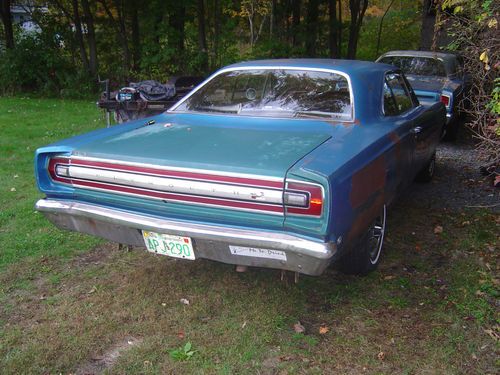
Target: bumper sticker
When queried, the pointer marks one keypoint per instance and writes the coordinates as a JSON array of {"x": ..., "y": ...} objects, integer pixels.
[{"x": 257, "y": 253}]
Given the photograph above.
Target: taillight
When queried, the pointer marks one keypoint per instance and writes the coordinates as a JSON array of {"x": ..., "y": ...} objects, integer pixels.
[
  {"x": 303, "y": 199},
  {"x": 445, "y": 99}
]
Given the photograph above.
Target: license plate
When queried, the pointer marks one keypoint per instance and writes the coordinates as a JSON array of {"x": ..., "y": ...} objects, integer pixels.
[{"x": 166, "y": 244}]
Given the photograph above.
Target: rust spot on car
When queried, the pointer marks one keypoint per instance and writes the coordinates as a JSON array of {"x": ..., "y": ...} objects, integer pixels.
[
  {"x": 367, "y": 181},
  {"x": 365, "y": 216},
  {"x": 394, "y": 137}
]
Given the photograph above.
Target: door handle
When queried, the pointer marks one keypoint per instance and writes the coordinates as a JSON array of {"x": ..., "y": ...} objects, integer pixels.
[{"x": 417, "y": 130}]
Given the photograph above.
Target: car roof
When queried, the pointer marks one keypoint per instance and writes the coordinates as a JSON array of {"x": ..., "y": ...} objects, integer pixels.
[
  {"x": 440, "y": 55},
  {"x": 347, "y": 66}
]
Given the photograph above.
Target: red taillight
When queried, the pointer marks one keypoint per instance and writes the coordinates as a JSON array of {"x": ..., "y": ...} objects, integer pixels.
[
  {"x": 445, "y": 100},
  {"x": 303, "y": 199}
]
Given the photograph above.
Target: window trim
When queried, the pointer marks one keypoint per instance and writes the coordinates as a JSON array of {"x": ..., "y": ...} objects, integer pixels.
[
  {"x": 406, "y": 88},
  {"x": 270, "y": 67}
]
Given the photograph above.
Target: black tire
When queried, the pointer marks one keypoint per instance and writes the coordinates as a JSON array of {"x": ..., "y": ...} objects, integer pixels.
[
  {"x": 365, "y": 257},
  {"x": 427, "y": 173}
]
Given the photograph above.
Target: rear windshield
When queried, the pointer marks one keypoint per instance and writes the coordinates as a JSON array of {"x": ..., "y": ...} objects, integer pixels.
[
  {"x": 274, "y": 93},
  {"x": 419, "y": 66}
]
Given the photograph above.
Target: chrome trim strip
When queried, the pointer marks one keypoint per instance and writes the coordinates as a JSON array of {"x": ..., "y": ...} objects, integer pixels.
[
  {"x": 272, "y": 67},
  {"x": 75, "y": 156},
  {"x": 229, "y": 235},
  {"x": 179, "y": 201},
  {"x": 174, "y": 185}
]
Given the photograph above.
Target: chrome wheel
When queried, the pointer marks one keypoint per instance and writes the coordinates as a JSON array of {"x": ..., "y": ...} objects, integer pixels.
[{"x": 376, "y": 237}]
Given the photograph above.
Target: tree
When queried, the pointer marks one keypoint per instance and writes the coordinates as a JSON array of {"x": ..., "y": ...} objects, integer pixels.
[
  {"x": 380, "y": 26},
  {"x": 202, "y": 34},
  {"x": 295, "y": 22},
  {"x": 334, "y": 29},
  {"x": 358, "y": 9},
  {"x": 121, "y": 31},
  {"x": 136, "y": 35},
  {"x": 312, "y": 27},
  {"x": 91, "y": 40},
  {"x": 6, "y": 16}
]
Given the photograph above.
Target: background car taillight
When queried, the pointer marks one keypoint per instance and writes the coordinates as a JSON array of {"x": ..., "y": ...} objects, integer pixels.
[
  {"x": 445, "y": 99},
  {"x": 303, "y": 199}
]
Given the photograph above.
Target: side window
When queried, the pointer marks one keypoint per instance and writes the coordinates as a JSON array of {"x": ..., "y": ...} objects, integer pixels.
[
  {"x": 401, "y": 95},
  {"x": 390, "y": 108}
]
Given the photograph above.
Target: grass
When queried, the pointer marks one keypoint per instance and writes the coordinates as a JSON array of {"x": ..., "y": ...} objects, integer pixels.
[
  {"x": 27, "y": 124},
  {"x": 71, "y": 303}
]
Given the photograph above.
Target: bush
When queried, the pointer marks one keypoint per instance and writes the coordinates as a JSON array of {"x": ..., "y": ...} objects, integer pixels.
[
  {"x": 36, "y": 65},
  {"x": 474, "y": 28}
]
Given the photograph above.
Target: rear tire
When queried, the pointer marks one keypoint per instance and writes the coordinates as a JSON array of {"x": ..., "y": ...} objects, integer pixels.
[
  {"x": 427, "y": 173},
  {"x": 365, "y": 257}
]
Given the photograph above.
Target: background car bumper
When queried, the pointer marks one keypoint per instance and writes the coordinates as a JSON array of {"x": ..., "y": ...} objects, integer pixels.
[{"x": 210, "y": 241}]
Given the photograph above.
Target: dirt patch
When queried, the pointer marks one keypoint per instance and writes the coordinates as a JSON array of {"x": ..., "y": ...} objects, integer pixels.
[{"x": 106, "y": 361}]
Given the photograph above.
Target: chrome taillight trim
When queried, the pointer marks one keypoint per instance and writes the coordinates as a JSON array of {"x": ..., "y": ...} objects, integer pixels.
[
  {"x": 233, "y": 192},
  {"x": 175, "y": 185}
]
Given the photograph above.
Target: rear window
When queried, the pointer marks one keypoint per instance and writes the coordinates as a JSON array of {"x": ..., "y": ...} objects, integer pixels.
[
  {"x": 419, "y": 66},
  {"x": 275, "y": 93}
]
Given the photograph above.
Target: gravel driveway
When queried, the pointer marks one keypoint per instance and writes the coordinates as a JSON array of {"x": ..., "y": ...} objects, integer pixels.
[{"x": 458, "y": 183}]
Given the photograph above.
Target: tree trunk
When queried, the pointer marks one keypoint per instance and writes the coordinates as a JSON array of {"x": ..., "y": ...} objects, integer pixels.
[
  {"x": 358, "y": 9},
  {"x": 380, "y": 27},
  {"x": 121, "y": 33},
  {"x": 79, "y": 36},
  {"x": 333, "y": 26},
  {"x": 339, "y": 43},
  {"x": 176, "y": 22},
  {"x": 428, "y": 21},
  {"x": 136, "y": 36},
  {"x": 89, "y": 20},
  {"x": 312, "y": 27},
  {"x": 272, "y": 18},
  {"x": 295, "y": 22},
  {"x": 202, "y": 35},
  {"x": 6, "y": 16},
  {"x": 217, "y": 21}
]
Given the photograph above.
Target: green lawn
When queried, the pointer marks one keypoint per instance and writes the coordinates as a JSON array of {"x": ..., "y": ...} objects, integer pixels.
[
  {"x": 70, "y": 303},
  {"x": 26, "y": 124}
]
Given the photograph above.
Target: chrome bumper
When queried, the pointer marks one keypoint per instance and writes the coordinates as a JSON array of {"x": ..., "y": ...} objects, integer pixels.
[{"x": 210, "y": 241}]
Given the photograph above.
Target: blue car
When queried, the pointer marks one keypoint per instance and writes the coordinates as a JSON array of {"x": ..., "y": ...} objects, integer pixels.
[
  {"x": 435, "y": 76},
  {"x": 286, "y": 164}
]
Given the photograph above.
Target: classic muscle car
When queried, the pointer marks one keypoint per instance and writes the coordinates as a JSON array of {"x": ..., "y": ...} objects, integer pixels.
[
  {"x": 286, "y": 164},
  {"x": 435, "y": 76}
]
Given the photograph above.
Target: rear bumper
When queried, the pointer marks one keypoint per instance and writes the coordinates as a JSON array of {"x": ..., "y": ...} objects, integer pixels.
[{"x": 210, "y": 241}]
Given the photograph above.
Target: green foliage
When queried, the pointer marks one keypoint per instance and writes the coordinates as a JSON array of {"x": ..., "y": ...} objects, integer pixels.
[
  {"x": 50, "y": 63},
  {"x": 38, "y": 65},
  {"x": 184, "y": 353},
  {"x": 400, "y": 31}
]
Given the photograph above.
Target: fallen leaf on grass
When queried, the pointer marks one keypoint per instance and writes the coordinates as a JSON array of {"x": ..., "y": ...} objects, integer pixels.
[
  {"x": 438, "y": 229},
  {"x": 497, "y": 181},
  {"x": 389, "y": 277},
  {"x": 494, "y": 335},
  {"x": 381, "y": 356},
  {"x": 323, "y": 330},
  {"x": 464, "y": 223},
  {"x": 299, "y": 328},
  {"x": 93, "y": 290}
]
